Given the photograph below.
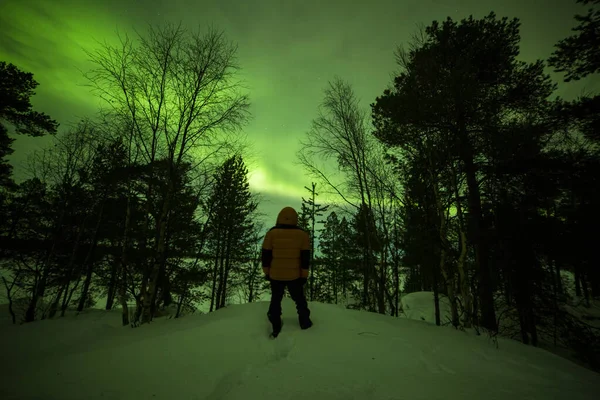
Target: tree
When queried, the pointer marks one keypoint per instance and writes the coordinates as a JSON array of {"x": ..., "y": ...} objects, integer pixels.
[
  {"x": 311, "y": 210},
  {"x": 65, "y": 167},
  {"x": 341, "y": 255},
  {"x": 579, "y": 54},
  {"x": 16, "y": 89},
  {"x": 304, "y": 217},
  {"x": 252, "y": 282},
  {"x": 339, "y": 133},
  {"x": 231, "y": 226},
  {"x": 180, "y": 92},
  {"x": 330, "y": 248},
  {"x": 24, "y": 243},
  {"x": 461, "y": 82}
]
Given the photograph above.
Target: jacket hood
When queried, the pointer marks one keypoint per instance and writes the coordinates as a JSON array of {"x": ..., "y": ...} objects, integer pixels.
[{"x": 287, "y": 216}]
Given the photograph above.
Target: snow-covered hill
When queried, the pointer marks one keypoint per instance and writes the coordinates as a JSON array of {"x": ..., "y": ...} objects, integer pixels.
[{"x": 226, "y": 355}]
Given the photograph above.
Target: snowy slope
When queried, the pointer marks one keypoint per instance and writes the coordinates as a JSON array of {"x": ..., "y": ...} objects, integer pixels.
[{"x": 226, "y": 355}]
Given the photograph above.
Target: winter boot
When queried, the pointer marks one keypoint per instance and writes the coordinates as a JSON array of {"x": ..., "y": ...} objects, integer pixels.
[
  {"x": 276, "y": 323},
  {"x": 305, "y": 323}
]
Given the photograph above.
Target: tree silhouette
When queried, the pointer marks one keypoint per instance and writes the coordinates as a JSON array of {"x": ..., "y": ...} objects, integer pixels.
[
  {"x": 16, "y": 89},
  {"x": 579, "y": 55}
]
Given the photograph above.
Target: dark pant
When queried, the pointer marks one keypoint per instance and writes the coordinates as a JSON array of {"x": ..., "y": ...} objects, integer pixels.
[{"x": 296, "y": 292}]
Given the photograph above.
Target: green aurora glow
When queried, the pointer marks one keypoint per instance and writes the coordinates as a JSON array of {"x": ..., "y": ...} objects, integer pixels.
[{"x": 287, "y": 50}]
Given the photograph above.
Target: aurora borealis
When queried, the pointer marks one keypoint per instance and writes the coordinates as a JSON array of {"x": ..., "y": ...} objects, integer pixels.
[{"x": 288, "y": 50}]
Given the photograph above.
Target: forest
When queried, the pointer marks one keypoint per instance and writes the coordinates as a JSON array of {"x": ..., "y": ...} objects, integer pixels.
[{"x": 467, "y": 177}]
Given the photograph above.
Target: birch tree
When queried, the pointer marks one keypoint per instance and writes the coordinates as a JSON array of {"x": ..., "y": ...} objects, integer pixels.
[
  {"x": 180, "y": 91},
  {"x": 339, "y": 134}
]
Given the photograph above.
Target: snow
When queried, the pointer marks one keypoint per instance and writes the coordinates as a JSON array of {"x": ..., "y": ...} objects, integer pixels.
[
  {"x": 227, "y": 355},
  {"x": 419, "y": 306}
]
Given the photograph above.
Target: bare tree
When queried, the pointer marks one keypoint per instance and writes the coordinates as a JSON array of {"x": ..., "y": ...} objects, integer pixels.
[
  {"x": 384, "y": 184},
  {"x": 10, "y": 294},
  {"x": 339, "y": 133},
  {"x": 61, "y": 165},
  {"x": 179, "y": 90}
]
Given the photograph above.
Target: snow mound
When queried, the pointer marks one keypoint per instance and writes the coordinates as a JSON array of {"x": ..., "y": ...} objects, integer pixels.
[
  {"x": 419, "y": 306},
  {"x": 227, "y": 355}
]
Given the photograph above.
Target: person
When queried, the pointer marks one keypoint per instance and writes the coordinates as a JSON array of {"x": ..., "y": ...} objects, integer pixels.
[{"x": 285, "y": 263}]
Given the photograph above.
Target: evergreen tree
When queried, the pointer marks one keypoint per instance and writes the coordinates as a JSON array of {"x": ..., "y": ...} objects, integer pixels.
[
  {"x": 579, "y": 55},
  {"x": 331, "y": 251},
  {"x": 16, "y": 89},
  {"x": 341, "y": 256},
  {"x": 304, "y": 217},
  {"x": 230, "y": 225},
  {"x": 464, "y": 86},
  {"x": 310, "y": 212}
]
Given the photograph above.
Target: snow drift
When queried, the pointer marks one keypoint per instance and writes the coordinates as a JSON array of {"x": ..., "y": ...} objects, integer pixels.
[{"x": 227, "y": 355}]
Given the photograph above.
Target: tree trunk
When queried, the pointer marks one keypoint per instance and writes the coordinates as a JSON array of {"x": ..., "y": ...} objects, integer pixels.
[
  {"x": 64, "y": 292},
  {"x": 595, "y": 282},
  {"x": 159, "y": 293},
  {"x": 123, "y": 296},
  {"x": 39, "y": 290},
  {"x": 448, "y": 275},
  {"x": 436, "y": 296},
  {"x": 70, "y": 268},
  {"x": 584, "y": 287},
  {"x": 217, "y": 237},
  {"x": 396, "y": 286},
  {"x": 532, "y": 326},
  {"x": 86, "y": 287},
  {"x": 523, "y": 324},
  {"x": 577, "y": 279},
  {"x": 112, "y": 285},
  {"x": 214, "y": 282},
  {"x": 179, "y": 304},
  {"x": 450, "y": 282},
  {"x": 162, "y": 286},
  {"x": 220, "y": 283},
  {"x": 335, "y": 277},
  {"x": 67, "y": 298},
  {"x": 9, "y": 297},
  {"x": 555, "y": 295},
  {"x": 228, "y": 256},
  {"x": 312, "y": 246},
  {"x": 475, "y": 304},
  {"x": 144, "y": 295},
  {"x": 87, "y": 262},
  {"x": 486, "y": 297},
  {"x": 159, "y": 256},
  {"x": 382, "y": 286},
  {"x": 123, "y": 279},
  {"x": 366, "y": 280},
  {"x": 54, "y": 304},
  {"x": 251, "y": 290},
  {"x": 224, "y": 290}
]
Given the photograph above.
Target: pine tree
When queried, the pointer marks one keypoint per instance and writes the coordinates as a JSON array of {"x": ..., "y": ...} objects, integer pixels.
[
  {"x": 230, "y": 225},
  {"x": 314, "y": 211},
  {"x": 330, "y": 246},
  {"x": 16, "y": 89},
  {"x": 304, "y": 217},
  {"x": 463, "y": 87},
  {"x": 579, "y": 55}
]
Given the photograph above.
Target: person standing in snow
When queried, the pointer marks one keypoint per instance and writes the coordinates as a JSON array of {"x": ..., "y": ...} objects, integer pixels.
[{"x": 285, "y": 262}]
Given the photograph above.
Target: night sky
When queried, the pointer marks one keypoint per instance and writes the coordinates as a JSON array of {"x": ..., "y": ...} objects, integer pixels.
[{"x": 288, "y": 51}]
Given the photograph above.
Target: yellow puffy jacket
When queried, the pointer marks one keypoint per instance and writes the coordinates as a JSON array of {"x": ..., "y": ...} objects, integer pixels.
[{"x": 286, "y": 248}]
